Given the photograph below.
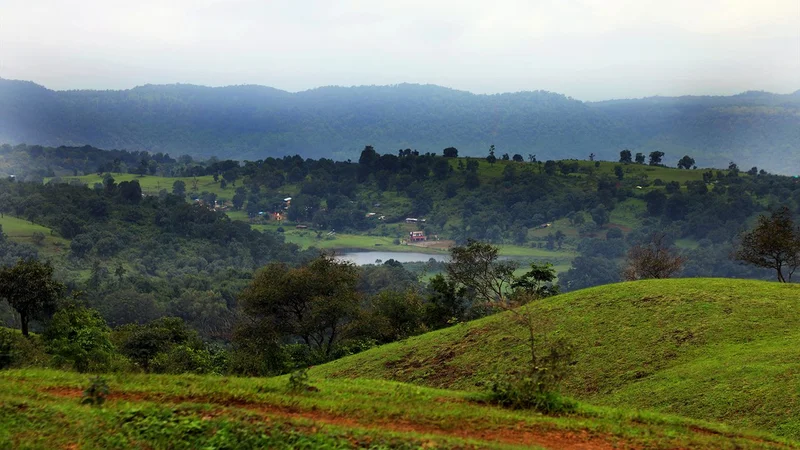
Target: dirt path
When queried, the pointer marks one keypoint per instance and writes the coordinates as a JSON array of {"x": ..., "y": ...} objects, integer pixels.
[{"x": 522, "y": 435}]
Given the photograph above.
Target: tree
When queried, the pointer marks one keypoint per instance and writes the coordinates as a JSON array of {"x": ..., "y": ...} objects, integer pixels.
[
  {"x": 640, "y": 158},
  {"x": 517, "y": 158},
  {"x": 625, "y": 156},
  {"x": 30, "y": 289},
  {"x": 447, "y": 303},
  {"x": 450, "y": 152},
  {"x": 312, "y": 303},
  {"x": 687, "y": 162},
  {"x": 506, "y": 157},
  {"x": 773, "y": 244},
  {"x": 591, "y": 156},
  {"x": 600, "y": 215},
  {"x": 476, "y": 266},
  {"x": 653, "y": 259},
  {"x": 619, "y": 172},
  {"x": 536, "y": 283},
  {"x": 179, "y": 188},
  {"x": 79, "y": 336},
  {"x": 491, "y": 158},
  {"x": 655, "y": 157}
]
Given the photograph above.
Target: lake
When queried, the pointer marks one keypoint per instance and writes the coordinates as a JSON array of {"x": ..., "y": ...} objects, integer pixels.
[{"x": 369, "y": 257}]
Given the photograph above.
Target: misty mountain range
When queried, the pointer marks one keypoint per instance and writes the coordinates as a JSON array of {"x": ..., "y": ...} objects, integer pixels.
[{"x": 252, "y": 122}]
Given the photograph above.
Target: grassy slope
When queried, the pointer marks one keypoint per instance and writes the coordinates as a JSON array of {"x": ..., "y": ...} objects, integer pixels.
[
  {"x": 20, "y": 230},
  {"x": 716, "y": 349},
  {"x": 151, "y": 185},
  {"x": 41, "y": 409}
]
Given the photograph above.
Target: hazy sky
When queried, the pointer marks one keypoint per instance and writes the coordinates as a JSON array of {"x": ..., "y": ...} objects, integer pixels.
[{"x": 588, "y": 49}]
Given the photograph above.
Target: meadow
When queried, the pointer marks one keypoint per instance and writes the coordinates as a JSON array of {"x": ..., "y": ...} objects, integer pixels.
[
  {"x": 42, "y": 409},
  {"x": 712, "y": 349}
]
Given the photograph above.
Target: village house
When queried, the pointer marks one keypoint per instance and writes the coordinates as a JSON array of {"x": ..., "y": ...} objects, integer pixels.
[{"x": 417, "y": 236}]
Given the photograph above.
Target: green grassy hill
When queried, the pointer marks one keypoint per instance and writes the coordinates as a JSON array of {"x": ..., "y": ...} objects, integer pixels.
[
  {"x": 42, "y": 409},
  {"x": 20, "y": 230},
  {"x": 714, "y": 349}
]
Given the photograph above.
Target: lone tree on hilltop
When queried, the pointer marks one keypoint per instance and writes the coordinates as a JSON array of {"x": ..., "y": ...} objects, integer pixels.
[
  {"x": 450, "y": 152},
  {"x": 655, "y": 158},
  {"x": 30, "y": 289},
  {"x": 774, "y": 244},
  {"x": 687, "y": 162},
  {"x": 491, "y": 158},
  {"x": 653, "y": 259},
  {"x": 625, "y": 156}
]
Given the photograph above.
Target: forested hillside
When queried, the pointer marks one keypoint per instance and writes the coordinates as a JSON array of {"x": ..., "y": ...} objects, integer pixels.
[{"x": 254, "y": 122}]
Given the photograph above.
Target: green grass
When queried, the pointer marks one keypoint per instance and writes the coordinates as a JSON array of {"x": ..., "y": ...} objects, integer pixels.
[
  {"x": 713, "y": 349},
  {"x": 151, "y": 185},
  {"x": 20, "y": 230},
  {"x": 41, "y": 409}
]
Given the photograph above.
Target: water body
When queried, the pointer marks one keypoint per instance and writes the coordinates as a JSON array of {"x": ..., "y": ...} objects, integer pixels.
[{"x": 369, "y": 257}]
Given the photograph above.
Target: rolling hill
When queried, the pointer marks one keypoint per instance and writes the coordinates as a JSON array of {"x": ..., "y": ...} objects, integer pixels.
[
  {"x": 42, "y": 409},
  {"x": 713, "y": 349},
  {"x": 253, "y": 122}
]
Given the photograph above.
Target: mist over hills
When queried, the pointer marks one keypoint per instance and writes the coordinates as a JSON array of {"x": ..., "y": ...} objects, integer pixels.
[{"x": 252, "y": 122}]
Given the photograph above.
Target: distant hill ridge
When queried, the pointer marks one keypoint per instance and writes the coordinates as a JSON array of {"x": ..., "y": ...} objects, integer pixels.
[{"x": 252, "y": 122}]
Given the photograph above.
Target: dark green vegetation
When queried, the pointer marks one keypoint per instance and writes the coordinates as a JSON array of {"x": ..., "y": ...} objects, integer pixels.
[
  {"x": 716, "y": 349},
  {"x": 44, "y": 409},
  {"x": 253, "y": 122}
]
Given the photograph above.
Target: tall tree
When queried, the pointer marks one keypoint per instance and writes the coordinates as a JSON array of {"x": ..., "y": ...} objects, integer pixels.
[
  {"x": 773, "y": 244},
  {"x": 476, "y": 266},
  {"x": 30, "y": 289},
  {"x": 625, "y": 156},
  {"x": 687, "y": 162},
  {"x": 655, "y": 158},
  {"x": 312, "y": 303}
]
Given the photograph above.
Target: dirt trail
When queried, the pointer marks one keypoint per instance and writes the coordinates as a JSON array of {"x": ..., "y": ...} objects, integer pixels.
[{"x": 522, "y": 434}]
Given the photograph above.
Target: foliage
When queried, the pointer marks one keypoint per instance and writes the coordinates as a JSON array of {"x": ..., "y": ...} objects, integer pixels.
[
  {"x": 18, "y": 351},
  {"x": 96, "y": 393},
  {"x": 298, "y": 382},
  {"x": 312, "y": 303},
  {"x": 477, "y": 267},
  {"x": 653, "y": 259},
  {"x": 30, "y": 289},
  {"x": 774, "y": 243},
  {"x": 78, "y": 337}
]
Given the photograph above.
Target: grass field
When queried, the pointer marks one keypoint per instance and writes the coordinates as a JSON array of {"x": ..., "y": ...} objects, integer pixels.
[
  {"x": 151, "y": 185},
  {"x": 716, "y": 349},
  {"x": 41, "y": 409},
  {"x": 22, "y": 231}
]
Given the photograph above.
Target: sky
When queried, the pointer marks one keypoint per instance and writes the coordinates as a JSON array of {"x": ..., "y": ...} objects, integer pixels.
[{"x": 586, "y": 49}]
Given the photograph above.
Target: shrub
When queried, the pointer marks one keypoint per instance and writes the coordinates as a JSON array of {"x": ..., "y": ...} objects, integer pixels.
[
  {"x": 182, "y": 359},
  {"x": 299, "y": 382},
  {"x": 18, "y": 351},
  {"x": 79, "y": 337},
  {"x": 96, "y": 393},
  {"x": 527, "y": 393}
]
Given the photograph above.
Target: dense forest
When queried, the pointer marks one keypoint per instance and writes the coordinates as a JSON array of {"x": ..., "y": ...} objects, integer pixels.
[
  {"x": 253, "y": 122},
  {"x": 196, "y": 252}
]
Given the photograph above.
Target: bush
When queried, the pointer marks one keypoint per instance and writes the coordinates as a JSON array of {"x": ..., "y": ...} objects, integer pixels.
[
  {"x": 17, "y": 351},
  {"x": 79, "y": 337},
  {"x": 537, "y": 387},
  {"x": 527, "y": 393},
  {"x": 96, "y": 393},
  {"x": 182, "y": 359},
  {"x": 299, "y": 382}
]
